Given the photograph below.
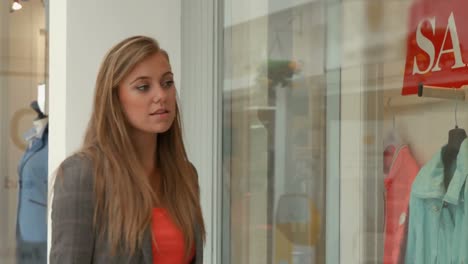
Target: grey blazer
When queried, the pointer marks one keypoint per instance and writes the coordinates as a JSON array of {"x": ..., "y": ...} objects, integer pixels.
[{"x": 73, "y": 238}]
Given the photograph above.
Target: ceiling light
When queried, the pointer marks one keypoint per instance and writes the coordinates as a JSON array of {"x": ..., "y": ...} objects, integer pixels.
[{"x": 16, "y": 5}]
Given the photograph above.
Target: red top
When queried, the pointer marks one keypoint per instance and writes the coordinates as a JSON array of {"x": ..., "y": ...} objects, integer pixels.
[
  {"x": 402, "y": 170},
  {"x": 170, "y": 245}
]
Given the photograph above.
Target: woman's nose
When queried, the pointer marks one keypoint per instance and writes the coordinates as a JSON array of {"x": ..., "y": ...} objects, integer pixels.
[{"x": 159, "y": 94}]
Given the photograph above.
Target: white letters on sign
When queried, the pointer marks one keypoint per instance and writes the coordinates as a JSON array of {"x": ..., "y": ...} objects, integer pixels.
[{"x": 428, "y": 46}]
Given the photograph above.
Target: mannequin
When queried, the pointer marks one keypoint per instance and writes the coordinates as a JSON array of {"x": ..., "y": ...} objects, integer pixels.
[
  {"x": 41, "y": 120},
  {"x": 31, "y": 228},
  {"x": 40, "y": 125}
]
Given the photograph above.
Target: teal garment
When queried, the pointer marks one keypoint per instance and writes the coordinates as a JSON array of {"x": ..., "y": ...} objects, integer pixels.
[{"x": 438, "y": 226}]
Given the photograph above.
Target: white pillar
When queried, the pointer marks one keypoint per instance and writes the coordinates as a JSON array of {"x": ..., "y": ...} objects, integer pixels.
[{"x": 201, "y": 110}]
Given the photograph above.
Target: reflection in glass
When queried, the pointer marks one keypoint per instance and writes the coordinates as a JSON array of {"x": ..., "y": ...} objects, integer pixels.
[
  {"x": 274, "y": 134},
  {"x": 23, "y": 133}
]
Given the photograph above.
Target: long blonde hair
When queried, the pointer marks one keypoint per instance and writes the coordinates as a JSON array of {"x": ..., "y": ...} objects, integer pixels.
[{"x": 124, "y": 198}]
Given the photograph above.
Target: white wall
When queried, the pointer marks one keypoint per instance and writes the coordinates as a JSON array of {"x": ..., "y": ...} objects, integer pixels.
[{"x": 81, "y": 33}]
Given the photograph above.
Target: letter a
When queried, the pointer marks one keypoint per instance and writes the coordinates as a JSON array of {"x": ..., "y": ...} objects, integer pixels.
[{"x": 455, "y": 45}]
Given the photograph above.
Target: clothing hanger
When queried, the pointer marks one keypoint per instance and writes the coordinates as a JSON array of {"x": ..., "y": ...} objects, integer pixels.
[
  {"x": 456, "y": 135},
  {"x": 392, "y": 141},
  {"x": 392, "y": 138}
]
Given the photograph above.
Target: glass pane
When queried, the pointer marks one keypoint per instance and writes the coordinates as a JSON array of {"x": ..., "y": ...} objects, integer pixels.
[
  {"x": 274, "y": 132},
  {"x": 329, "y": 155},
  {"x": 23, "y": 133}
]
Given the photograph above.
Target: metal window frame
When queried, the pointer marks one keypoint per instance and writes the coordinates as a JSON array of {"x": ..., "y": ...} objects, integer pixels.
[{"x": 201, "y": 106}]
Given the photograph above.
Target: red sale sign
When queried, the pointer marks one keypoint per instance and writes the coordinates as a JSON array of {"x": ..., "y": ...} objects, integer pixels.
[{"x": 437, "y": 45}]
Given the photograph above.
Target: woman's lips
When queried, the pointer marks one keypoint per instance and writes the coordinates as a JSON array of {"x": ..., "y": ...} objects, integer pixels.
[{"x": 159, "y": 112}]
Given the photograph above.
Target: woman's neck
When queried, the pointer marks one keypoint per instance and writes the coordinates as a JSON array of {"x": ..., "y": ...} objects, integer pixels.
[{"x": 145, "y": 144}]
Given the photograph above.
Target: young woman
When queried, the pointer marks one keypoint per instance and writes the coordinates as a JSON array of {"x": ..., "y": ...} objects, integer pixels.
[{"x": 130, "y": 194}]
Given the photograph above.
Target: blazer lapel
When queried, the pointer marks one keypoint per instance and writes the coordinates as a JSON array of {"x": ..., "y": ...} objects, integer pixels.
[
  {"x": 147, "y": 247},
  {"x": 198, "y": 246}
]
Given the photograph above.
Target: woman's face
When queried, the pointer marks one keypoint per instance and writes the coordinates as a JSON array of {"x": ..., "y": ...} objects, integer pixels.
[{"x": 148, "y": 95}]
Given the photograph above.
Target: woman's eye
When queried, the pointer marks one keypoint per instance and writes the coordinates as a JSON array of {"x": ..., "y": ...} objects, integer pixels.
[
  {"x": 143, "y": 87},
  {"x": 168, "y": 84}
]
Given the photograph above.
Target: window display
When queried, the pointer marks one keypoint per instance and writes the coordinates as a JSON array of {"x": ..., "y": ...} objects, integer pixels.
[
  {"x": 321, "y": 103},
  {"x": 23, "y": 132}
]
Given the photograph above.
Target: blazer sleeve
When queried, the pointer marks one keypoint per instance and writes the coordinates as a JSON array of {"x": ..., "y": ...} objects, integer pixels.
[{"x": 72, "y": 213}]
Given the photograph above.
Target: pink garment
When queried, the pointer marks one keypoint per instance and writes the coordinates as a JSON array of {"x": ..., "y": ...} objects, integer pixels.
[
  {"x": 402, "y": 169},
  {"x": 170, "y": 248}
]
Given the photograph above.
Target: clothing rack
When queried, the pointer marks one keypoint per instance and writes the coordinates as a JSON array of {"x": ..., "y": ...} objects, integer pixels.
[{"x": 459, "y": 94}]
